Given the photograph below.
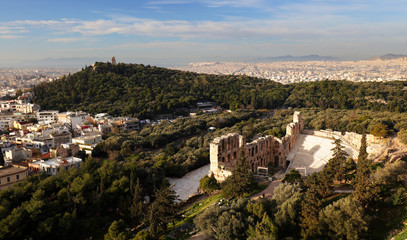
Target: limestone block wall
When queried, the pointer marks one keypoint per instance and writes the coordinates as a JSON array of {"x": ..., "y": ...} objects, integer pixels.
[{"x": 225, "y": 150}]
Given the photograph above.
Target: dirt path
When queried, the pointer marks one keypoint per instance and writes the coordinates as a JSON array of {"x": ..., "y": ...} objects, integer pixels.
[{"x": 268, "y": 192}]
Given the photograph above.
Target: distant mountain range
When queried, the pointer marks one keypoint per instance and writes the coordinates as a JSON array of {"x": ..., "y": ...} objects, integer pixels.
[
  {"x": 289, "y": 58},
  {"x": 388, "y": 57}
]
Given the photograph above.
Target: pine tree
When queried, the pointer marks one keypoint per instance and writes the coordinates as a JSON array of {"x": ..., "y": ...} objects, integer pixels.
[
  {"x": 162, "y": 210},
  {"x": 310, "y": 208},
  {"x": 241, "y": 181},
  {"x": 338, "y": 159}
]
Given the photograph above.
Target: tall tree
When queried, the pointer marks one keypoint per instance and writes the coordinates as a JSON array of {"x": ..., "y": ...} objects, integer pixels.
[
  {"x": 241, "y": 181},
  {"x": 365, "y": 188},
  {"x": 333, "y": 168},
  {"x": 310, "y": 208},
  {"x": 136, "y": 208},
  {"x": 162, "y": 210}
]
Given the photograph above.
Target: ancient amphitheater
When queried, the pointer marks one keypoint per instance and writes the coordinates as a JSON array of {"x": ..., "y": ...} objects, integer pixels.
[
  {"x": 310, "y": 153},
  {"x": 305, "y": 150}
]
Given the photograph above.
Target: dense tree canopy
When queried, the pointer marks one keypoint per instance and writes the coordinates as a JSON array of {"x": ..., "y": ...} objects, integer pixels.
[{"x": 145, "y": 91}]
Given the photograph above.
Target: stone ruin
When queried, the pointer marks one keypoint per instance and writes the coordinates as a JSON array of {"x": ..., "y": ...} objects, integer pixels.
[{"x": 260, "y": 153}]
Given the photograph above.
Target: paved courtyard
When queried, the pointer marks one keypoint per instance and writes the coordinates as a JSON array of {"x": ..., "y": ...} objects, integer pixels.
[
  {"x": 188, "y": 184},
  {"x": 310, "y": 153}
]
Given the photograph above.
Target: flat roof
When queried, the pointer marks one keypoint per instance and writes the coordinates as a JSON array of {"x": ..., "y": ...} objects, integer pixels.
[
  {"x": 7, "y": 171},
  {"x": 87, "y": 137}
]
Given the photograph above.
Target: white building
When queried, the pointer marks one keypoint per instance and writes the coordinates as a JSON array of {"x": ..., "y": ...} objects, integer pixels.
[
  {"x": 47, "y": 116},
  {"x": 7, "y": 120},
  {"x": 87, "y": 143},
  {"x": 73, "y": 118},
  {"x": 54, "y": 165},
  {"x": 27, "y": 108}
]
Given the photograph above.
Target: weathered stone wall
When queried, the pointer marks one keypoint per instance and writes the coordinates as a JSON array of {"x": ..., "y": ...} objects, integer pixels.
[{"x": 225, "y": 150}]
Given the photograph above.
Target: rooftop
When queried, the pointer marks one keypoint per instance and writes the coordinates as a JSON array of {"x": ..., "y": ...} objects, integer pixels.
[
  {"x": 5, "y": 171},
  {"x": 61, "y": 161}
]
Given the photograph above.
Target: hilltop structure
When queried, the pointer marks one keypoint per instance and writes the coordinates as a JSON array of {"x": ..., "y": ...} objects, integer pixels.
[{"x": 225, "y": 150}]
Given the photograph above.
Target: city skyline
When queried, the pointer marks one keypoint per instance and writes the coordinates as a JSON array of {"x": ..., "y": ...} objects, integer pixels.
[{"x": 176, "y": 32}]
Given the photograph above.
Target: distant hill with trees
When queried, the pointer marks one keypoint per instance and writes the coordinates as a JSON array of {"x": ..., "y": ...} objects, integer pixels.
[{"x": 146, "y": 91}]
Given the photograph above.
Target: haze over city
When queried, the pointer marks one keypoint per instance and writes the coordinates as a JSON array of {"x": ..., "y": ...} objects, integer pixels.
[{"x": 176, "y": 32}]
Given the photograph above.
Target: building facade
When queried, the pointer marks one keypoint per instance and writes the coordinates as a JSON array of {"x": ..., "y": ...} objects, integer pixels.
[
  {"x": 11, "y": 175},
  {"x": 260, "y": 153}
]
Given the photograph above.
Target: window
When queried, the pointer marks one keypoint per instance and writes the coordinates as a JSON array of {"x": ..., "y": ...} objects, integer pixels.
[
  {"x": 8, "y": 179},
  {"x": 17, "y": 177},
  {"x": 0, "y": 181}
]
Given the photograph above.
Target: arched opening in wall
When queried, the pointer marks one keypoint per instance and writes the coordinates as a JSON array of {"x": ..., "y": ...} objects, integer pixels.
[
  {"x": 257, "y": 149},
  {"x": 234, "y": 155},
  {"x": 228, "y": 157},
  {"x": 287, "y": 163},
  {"x": 252, "y": 151},
  {"x": 223, "y": 159},
  {"x": 276, "y": 160}
]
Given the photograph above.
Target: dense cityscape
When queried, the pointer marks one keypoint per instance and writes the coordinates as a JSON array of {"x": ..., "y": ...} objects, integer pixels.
[
  {"x": 12, "y": 79},
  {"x": 283, "y": 72},
  {"x": 292, "y": 72}
]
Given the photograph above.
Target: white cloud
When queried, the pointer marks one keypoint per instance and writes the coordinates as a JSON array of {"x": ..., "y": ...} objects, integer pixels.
[
  {"x": 65, "y": 40},
  {"x": 294, "y": 28},
  {"x": 10, "y": 36}
]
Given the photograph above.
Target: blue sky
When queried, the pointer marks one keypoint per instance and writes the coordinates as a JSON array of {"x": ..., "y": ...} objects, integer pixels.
[{"x": 173, "y": 32}]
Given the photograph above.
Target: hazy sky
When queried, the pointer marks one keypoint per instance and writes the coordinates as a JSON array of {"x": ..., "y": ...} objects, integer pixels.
[{"x": 181, "y": 31}]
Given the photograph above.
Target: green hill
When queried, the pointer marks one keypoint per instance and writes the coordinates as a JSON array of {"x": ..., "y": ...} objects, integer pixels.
[
  {"x": 131, "y": 89},
  {"x": 145, "y": 91}
]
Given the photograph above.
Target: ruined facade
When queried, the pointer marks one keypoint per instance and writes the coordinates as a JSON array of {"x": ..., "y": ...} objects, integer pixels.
[{"x": 225, "y": 150}]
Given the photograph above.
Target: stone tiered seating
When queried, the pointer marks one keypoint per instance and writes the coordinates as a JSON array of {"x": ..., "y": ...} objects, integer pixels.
[{"x": 312, "y": 153}]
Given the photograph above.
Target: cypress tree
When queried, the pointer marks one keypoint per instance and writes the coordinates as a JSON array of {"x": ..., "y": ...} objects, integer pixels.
[{"x": 365, "y": 189}]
